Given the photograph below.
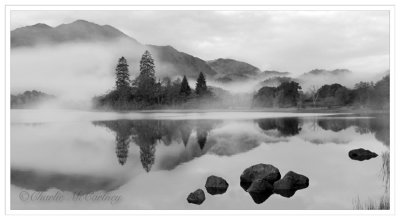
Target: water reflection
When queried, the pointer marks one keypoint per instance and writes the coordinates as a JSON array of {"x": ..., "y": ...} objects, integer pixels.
[
  {"x": 134, "y": 156},
  {"x": 285, "y": 126},
  {"x": 383, "y": 201},
  {"x": 84, "y": 184},
  {"x": 147, "y": 134},
  {"x": 377, "y": 124},
  {"x": 202, "y": 130}
]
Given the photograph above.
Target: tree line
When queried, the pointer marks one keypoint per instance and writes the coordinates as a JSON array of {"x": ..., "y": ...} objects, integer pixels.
[
  {"x": 146, "y": 92},
  {"x": 29, "y": 99},
  {"x": 290, "y": 94}
]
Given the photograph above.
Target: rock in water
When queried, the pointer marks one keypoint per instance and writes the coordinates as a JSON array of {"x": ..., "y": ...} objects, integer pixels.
[
  {"x": 259, "y": 171},
  {"x": 290, "y": 183},
  {"x": 197, "y": 197},
  {"x": 260, "y": 186},
  {"x": 216, "y": 185},
  {"x": 361, "y": 154},
  {"x": 260, "y": 190}
]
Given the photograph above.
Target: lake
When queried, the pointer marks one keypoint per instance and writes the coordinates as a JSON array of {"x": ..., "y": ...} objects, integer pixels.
[{"x": 103, "y": 160}]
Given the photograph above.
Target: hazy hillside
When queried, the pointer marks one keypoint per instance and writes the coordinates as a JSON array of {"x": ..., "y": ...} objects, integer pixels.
[
  {"x": 83, "y": 55},
  {"x": 183, "y": 63},
  {"x": 273, "y": 73},
  {"x": 169, "y": 60},
  {"x": 276, "y": 81},
  {"x": 79, "y": 30},
  {"x": 231, "y": 70},
  {"x": 319, "y": 77},
  {"x": 30, "y": 99}
]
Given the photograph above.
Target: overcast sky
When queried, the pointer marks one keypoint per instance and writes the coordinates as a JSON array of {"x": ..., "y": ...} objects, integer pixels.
[{"x": 295, "y": 41}]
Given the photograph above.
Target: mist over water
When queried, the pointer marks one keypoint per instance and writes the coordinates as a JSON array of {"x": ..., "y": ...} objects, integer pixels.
[{"x": 76, "y": 72}]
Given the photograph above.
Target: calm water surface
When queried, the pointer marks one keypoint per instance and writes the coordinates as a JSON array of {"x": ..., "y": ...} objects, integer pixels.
[{"x": 89, "y": 160}]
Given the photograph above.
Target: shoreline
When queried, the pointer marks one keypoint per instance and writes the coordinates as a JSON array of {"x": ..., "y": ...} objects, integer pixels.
[
  {"x": 275, "y": 110},
  {"x": 288, "y": 110}
]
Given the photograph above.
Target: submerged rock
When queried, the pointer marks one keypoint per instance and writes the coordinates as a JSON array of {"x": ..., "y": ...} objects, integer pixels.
[
  {"x": 290, "y": 183},
  {"x": 361, "y": 154},
  {"x": 259, "y": 171},
  {"x": 197, "y": 197},
  {"x": 216, "y": 185},
  {"x": 260, "y": 190}
]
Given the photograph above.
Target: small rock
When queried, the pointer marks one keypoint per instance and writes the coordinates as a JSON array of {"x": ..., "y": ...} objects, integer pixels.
[
  {"x": 361, "y": 154},
  {"x": 197, "y": 197},
  {"x": 259, "y": 171},
  {"x": 290, "y": 183},
  {"x": 216, "y": 185}
]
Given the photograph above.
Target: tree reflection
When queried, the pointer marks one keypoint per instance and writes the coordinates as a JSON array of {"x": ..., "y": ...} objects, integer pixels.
[
  {"x": 335, "y": 125},
  {"x": 122, "y": 148},
  {"x": 379, "y": 125},
  {"x": 285, "y": 126},
  {"x": 203, "y": 128},
  {"x": 122, "y": 130},
  {"x": 185, "y": 131},
  {"x": 147, "y": 134}
]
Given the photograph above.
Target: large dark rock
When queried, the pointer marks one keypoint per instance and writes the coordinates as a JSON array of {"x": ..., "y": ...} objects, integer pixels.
[
  {"x": 260, "y": 186},
  {"x": 290, "y": 183},
  {"x": 216, "y": 185},
  {"x": 197, "y": 197},
  {"x": 260, "y": 190},
  {"x": 259, "y": 171},
  {"x": 361, "y": 154}
]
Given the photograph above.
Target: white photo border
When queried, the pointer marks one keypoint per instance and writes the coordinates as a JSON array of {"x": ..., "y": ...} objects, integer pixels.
[{"x": 390, "y": 8}]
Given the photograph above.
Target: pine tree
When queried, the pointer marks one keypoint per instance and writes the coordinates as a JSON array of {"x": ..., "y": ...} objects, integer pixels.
[
  {"x": 147, "y": 66},
  {"x": 146, "y": 81},
  {"x": 201, "y": 86},
  {"x": 122, "y": 74},
  {"x": 185, "y": 88}
]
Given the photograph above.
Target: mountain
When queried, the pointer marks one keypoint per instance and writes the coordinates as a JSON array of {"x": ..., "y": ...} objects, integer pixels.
[
  {"x": 77, "y": 31},
  {"x": 183, "y": 63},
  {"x": 276, "y": 81},
  {"x": 273, "y": 73},
  {"x": 319, "y": 77},
  {"x": 230, "y": 70},
  {"x": 320, "y": 72},
  {"x": 171, "y": 61}
]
